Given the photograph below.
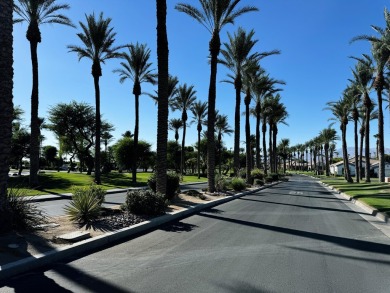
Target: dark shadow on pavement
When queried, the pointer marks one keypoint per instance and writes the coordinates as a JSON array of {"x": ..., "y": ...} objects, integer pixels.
[
  {"x": 356, "y": 244},
  {"x": 178, "y": 227},
  {"x": 306, "y": 207}
]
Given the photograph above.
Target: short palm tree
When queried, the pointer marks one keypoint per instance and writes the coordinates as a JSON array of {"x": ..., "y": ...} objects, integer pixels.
[
  {"x": 283, "y": 151},
  {"x": 175, "y": 125},
  {"x": 213, "y": 15},
  {"x": 98, "y": 39},
  {"x": 199, "y": 110},
  {"x": 328, "y": 135},
  {"x": 162, "y": 112},
  {"x": 185, "y": 97},
  {"x": 35, "y": 13},
  {"x": 6, "y": 113},
  {"x": 136, "y": 68},
  {"x": 222, "y": 127}
]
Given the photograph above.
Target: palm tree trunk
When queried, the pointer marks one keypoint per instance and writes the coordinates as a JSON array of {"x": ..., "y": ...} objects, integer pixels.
[
  {"x": 258, "y": 163},
  {"x": 361, "y": 152},
  {"x": 327, "y": 169},
  {"x": 271, "y": 161},
  {"x": 183, "y": 141},
  {"x": 214, "y": 48},
  {"x": 381, "y": 151},
  {"x": 198, "y": 155},
  {"x": 162, "y": 118},
  {"x": 248, "y": 139},
  {"x": 275, "y": 156},
  {"x": 98, "y": 130},
  {"x": 357, "y": 172},
  {"x": 34, "y": 143},
  {"x": 345, "y": 154},
  {"x": 6, "y": 106},
  {"x": 264, "y": 129},
  {"x": 136, "y": 130},
  {"x": 367, "y": 104},
  {"x": 238, "y": 86}
]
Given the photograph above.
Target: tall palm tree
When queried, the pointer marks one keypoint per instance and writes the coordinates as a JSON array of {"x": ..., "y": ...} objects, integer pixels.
[
  {"x": 222, "y": 127},
  {"x": 264, "y": 116},
  {"x": 380, "y": 48},
  {"x": 263, "y": 85},
  {"x": 6, "y": 106},
  {"x": 328, "y": 135},
  {"x": 98, "y": 39},
  {"x": 136, "y": 68},
  {"x": 236, "y": 56},
  {"x": 186, "y": 96},
  {"x": 341, "y": 111},
  {"x": 199, "y": 110},
  {"x": 363, "y": 76},
  {"x": 35, "y": 13},
  {"x": 213, "y": 15},
  {"x": 162, "y": 112}
]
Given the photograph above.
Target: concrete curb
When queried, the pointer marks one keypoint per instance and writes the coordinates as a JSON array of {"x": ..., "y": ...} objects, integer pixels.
[
  {"x": 373, "y": 211},
  {"x": 40, "y": 260}
]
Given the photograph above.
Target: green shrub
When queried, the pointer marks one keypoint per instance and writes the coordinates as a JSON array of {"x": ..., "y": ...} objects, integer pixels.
[
  {"x": 173, "y": 184},
  {"x": 86, "y": 204},
  {"x": 94, "y": 190},
  {"x": 238, "y": 184},
  {"x": 268, "y": 179},
  {"x": 22, "y": 214},
  {"x": 242, "y": 173},
  {"x": 274, "y": 176},
  {"x": 221, "y": 183},
  {"x": 257, "y": 174},
  {"x": 145, "y": 202},
  {"x": 259, "y": 182}
]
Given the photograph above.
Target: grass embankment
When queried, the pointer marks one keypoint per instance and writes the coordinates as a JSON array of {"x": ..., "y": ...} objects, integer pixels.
[
  {"x": 375, "y": 194},
  {"x": 62, "y": 182}
]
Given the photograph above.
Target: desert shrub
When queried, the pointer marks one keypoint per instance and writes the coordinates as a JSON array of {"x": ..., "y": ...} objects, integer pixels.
[
  {"x": 274, "y": 176},
  {"x": 221, "y": 183},
  {"x": 238, "y": 184},
  {"x": 173, "y": 184},
  {"x": 86, "y": 203},
  {"x": 145, "y": 202},
  {"x": 259, "y": 182},
  {"x": 195, "y": 193},
  {"x": 268, "y": 179},
  {"x": 257, "y": 174},
  {"x": 22, "y": 213}
]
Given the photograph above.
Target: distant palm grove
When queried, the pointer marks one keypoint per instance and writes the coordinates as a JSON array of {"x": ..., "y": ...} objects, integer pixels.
[{"x": 85, "y": 142}]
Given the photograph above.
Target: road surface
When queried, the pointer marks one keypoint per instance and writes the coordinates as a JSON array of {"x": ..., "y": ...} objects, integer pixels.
[{"x": 293, "y": 237}]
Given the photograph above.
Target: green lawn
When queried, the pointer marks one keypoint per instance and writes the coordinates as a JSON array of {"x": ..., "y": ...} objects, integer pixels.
[
  {"x": 374, "y": 194},
  {"x": 62, "y": 182}
]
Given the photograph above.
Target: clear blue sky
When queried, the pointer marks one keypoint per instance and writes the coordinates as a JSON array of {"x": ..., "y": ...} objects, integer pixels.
[{"x": 312, "y": 35}]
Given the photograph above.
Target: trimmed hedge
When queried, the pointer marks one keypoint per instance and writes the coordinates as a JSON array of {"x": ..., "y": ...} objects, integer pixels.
[{"x": 145, "y": 202}]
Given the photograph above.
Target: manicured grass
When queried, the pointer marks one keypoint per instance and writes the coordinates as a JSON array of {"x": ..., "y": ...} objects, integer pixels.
[
  {"x": 375, "y": 194},
  {"x": 62, "y": 182}
]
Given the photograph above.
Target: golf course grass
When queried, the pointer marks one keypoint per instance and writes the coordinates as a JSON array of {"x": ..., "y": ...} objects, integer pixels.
[{"x": 62, "y": 182}]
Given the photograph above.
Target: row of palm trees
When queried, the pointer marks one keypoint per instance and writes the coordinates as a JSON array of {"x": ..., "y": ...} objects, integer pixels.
[{"x": 98, "y": 44}]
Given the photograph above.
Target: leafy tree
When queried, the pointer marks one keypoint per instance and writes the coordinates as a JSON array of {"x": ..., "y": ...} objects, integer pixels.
[
  {"x": 20, "y": 147},
  {"x": 136, "y": 68},
  {"x": 183, "y": 101},
  {"x": 75, "y": 123},
  {"x": 50, "y": 153},
  {"x": 35, "y": 13},
  {"x": 213, "y": 15},
  {"x": 124, "y": 148},
  {"x": 98, "y": 40}
]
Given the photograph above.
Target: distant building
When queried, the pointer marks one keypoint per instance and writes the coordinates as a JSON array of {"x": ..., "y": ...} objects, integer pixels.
[{"x": 337, "y": 169}]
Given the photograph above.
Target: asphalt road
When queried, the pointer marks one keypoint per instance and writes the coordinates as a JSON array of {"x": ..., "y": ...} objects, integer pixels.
[
  {"x": 293, "y": 237},
  {"x": 56, "y": 207}
]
